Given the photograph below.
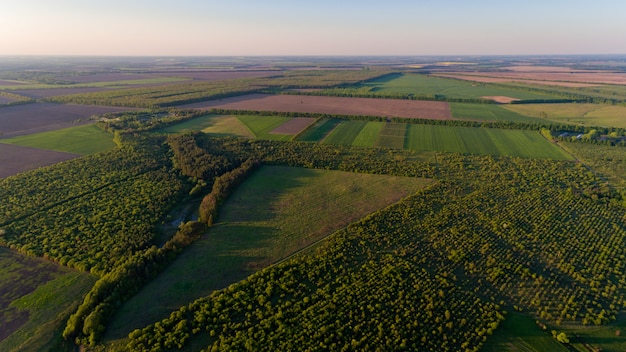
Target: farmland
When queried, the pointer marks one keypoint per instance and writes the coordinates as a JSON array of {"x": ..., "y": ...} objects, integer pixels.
[
  {"x": 331, "y": 105},
  {"x": 83, "y": 140},
  {"x": 32, "y": 118},
  {"x": 312, "y": 203},
  {"x": 581, "y": 114},
  {"x": 423, "y": 85},
  {"x": 275, "y": 213},
  {"x": 419, "y": 137},
  {"x": 527, "y": 144},
  {"x": 34, "y": 292},
  {"x": 15, "y": 159}
]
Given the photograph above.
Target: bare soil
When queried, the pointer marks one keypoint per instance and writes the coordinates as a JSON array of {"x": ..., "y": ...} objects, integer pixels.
[
  {"x": 501, "y": 99},
  {"x": 15, "y": 159},
  {"x": 332, "y": 105},
  {"x": 294, "y": 126},
  {"x": 5, "y": 100},
  {"x": 39, "y": 117}
]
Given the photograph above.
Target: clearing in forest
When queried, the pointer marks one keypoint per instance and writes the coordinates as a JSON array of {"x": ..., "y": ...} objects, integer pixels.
[{"x": 278, "y": 211}]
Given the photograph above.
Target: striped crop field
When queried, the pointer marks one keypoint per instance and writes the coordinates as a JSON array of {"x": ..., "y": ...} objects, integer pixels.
[
  {"x": 345, "y": 133},
  {"x": 392, "y": 135},
  {"x": 368, "y": 135},
  {"x": 319, "y": 130},
  {"x": 518, "y": 143}
]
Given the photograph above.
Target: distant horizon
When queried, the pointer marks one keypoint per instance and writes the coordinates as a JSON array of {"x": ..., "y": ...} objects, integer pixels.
[{"x": 323, "y": 28}]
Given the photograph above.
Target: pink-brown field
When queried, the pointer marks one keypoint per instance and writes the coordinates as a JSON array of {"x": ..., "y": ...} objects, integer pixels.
[
  {"x": 10, "y": 83},
  {"x": 15, "y": 159},
  {"x": 560, "y": 78},
  {"x": 5, "y": 100},
  {"x": 53, "y": 92},
  {"x": 331, "y": 105},
  {"x": 294, "y": 126},
  {"x": 39, "y": 117}
]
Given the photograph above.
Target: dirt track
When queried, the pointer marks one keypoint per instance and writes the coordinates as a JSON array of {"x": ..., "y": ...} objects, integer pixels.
[{"x": 332, "y": 105}]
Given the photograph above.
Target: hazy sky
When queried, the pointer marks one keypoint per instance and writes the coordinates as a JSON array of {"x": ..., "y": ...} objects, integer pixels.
[{"x": 313, "y": 27}]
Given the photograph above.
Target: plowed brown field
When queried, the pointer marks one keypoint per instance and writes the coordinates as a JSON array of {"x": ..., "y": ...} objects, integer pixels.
[
  {"x": 32, "y": 118},
  {"x": 332, "y": 105},
  {"x": 15, "y": 159},
  {"x": 294, "y": 126}
]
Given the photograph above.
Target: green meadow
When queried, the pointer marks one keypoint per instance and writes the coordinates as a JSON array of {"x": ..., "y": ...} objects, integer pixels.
[
  {"x": 83, "y": 140},
  {"x": 575, "y": 113},
  {"x": 278, "y": 211}
]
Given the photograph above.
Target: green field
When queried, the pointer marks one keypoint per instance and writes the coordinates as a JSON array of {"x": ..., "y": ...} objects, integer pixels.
[
  {"x": 489, "y": 112},
  {"x": 41, "y": 292},
  {"x": 345, "y": 133},
  {"x": 487, "y": 141},
  {"x": 319, "y": 130},
  {"x": 573, "y": 113},
  {"x": 369, "y": 133},
  {"x": 520, "y": 333},
  {"x": 217, "y": 125},
  {"x": 83, "y": 140},
  {"x": 261, "y": 126},
  {"x": 276, "y": 212},
  {"x": 445, "y": 87}
]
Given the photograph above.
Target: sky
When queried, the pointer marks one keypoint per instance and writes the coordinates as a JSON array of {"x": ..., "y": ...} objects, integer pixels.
[{"x": 312, "y": 27}]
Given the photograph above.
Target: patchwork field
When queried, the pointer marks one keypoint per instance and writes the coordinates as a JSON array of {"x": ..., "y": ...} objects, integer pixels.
[
  {"x": 582, "y": 114},
  {"x": 331, "y": 105},
  {"x": 83, "y": 140},
  {"x": 15, "y": 159},
  {"x": 33, "y": 118},
  {"x": 36, "y": 297},
  {"x": 276, "y": 212}
]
